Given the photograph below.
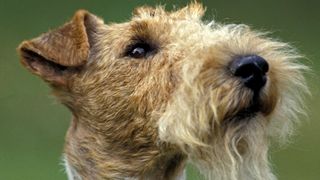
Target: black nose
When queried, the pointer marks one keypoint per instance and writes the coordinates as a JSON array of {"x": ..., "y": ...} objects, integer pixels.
[{"x": 252, "y": 70}]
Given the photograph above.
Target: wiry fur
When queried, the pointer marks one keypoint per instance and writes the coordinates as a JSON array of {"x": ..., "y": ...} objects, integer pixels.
[
  {"x": 143, "y": 118},
  {"x": 202, "y": 109}
]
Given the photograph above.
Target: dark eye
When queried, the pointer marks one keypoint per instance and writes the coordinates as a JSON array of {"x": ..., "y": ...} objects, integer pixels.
[{"x": 139, "y": 50}]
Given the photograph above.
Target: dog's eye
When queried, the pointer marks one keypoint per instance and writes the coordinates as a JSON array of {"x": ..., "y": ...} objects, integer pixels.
[{"x": 139, "y": 50}]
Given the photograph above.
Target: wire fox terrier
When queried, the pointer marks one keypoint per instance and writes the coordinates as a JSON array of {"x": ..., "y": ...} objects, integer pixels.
[{"x": 165, "y": 88}]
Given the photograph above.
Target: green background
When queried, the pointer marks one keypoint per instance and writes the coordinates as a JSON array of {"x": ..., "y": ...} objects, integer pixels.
[{"x": 32, "y": 125}]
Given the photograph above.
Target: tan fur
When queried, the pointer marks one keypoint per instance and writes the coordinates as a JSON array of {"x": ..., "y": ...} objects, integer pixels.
[{"x": 144, "y": 118}]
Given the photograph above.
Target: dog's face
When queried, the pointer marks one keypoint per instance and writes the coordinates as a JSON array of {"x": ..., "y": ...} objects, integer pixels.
[{"x": 166, "y": 85}]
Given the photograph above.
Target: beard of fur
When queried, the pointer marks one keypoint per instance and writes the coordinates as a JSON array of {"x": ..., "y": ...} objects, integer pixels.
[
  {"x": 221, "y": 150},
  {"x": 240, "y": 154}
]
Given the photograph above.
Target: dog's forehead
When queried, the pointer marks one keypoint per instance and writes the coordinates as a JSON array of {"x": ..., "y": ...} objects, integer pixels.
[{"x": 156, "y": 26}]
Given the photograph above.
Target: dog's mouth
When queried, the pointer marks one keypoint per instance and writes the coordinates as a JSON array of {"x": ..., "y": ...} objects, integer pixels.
[
  {"x": 255, "y": 107},
  {"x": 249, "y": 112}
]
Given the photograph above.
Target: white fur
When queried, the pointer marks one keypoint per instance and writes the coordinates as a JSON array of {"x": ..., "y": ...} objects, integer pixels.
[{"x": 71, "y": 172}]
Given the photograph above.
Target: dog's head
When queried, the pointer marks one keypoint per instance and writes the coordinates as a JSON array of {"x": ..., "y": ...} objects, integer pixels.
[{"x": 166, "y": 86}]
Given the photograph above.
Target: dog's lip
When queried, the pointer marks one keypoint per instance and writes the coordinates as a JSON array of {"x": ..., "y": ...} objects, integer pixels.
[{"x": 249, "y": 112}]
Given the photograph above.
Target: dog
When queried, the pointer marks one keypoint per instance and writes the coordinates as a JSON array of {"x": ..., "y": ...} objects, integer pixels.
[{"x": 149, "y": 95}]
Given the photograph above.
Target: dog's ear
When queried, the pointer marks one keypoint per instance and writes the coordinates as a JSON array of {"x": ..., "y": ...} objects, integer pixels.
[
  {"x": 58, "y": 53},
  {"x": 194, "y": 10}
]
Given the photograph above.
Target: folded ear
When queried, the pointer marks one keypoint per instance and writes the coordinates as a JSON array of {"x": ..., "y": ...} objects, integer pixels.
[
  {"x": 194, "y": 10},
  {"x": 58, "y": 53}
]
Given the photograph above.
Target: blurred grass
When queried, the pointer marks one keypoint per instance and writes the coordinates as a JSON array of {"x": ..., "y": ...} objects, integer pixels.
[{"x": 32, "y": 126}]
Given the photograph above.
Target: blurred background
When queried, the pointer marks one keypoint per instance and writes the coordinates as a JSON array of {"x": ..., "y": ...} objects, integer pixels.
[{"x": 33, "y": 125}]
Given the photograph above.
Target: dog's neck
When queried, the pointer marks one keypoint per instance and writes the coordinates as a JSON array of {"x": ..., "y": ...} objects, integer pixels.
[
  {"x": 74, "y": 175},
  {"x": 84, "y": 159}
]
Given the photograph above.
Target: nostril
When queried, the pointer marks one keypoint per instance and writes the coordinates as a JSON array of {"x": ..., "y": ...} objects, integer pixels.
[
  {"x": 245, "y": 70},
  {"x": 251, "y": 69}
]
